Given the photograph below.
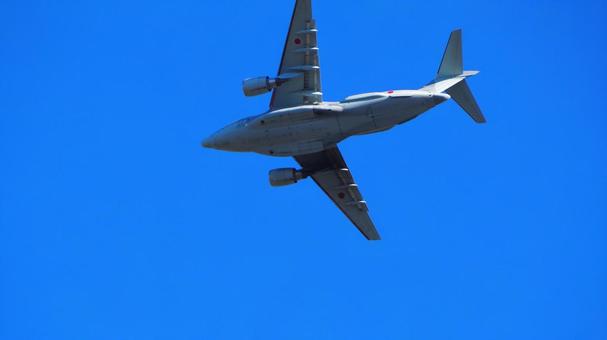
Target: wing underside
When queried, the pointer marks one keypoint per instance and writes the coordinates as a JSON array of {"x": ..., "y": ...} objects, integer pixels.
[
  {"x": 299, "y": 74},
  {"x": 332, "y": 175},
  {"x": 299, "y": 66}
]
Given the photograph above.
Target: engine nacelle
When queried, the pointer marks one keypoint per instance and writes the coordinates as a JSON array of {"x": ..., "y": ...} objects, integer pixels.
[
  {"x": 285, "y": 176},
  {"x": 260, "y": 85}
]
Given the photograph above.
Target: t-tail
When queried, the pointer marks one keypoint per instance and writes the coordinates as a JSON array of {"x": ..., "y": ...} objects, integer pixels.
[{"x": 451, "y": 78}]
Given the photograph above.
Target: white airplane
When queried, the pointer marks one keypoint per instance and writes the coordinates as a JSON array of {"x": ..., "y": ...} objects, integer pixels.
[{"x": 302, "y": 125}]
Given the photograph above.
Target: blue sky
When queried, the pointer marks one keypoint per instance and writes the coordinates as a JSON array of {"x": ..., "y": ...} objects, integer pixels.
[{"x": 116, "y": 224}]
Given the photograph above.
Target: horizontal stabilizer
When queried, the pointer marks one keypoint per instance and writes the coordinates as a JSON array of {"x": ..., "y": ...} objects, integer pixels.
[{"x": 462, "y": 95}]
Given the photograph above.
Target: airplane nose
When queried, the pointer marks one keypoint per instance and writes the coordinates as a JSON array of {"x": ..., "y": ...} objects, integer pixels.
[
  {"x": 221, "y": 140},
  {"x": 209, "y": 142},
  {"x": 206, "y": 143},
  {"x": 227, "y": 139}
]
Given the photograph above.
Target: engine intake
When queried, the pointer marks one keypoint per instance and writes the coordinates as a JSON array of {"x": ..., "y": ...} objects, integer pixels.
[
  {"x": 285, "y": 176},
  {"x": 260, "y": 85}
]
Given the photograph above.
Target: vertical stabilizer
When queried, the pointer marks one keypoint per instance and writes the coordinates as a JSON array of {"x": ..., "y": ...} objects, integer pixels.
[{"x": 452, "y": 64}]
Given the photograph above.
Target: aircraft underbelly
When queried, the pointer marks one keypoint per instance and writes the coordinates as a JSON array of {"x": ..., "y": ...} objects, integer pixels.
[
  {"x": 378, "y": 117},
  {"x": 356, "y": 122},
  {"x": 303, "y": 137},
  {"x": 387, "y": 114}
]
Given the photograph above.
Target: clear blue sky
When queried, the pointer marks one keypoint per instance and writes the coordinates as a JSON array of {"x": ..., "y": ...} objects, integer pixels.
[{"x": 116, "y": 224}]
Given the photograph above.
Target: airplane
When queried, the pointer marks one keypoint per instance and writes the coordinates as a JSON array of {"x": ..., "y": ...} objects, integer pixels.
[{"x": 300, "y": 124}]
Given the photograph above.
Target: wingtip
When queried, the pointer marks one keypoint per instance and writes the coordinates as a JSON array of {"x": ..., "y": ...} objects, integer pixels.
[{"x": 374, "y": 237}]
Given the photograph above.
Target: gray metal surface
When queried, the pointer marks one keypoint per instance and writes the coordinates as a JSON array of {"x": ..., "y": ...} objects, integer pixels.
[
  {"x": 299, "y": 124},
  {"x": 300, "y": 55},
  {"x": 330, "y": 172}
]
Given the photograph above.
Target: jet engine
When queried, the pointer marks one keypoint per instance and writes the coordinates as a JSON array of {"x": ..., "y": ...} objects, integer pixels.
[
  {"x": 260, "y": 85},
  {"x": 285, "y": 176}
]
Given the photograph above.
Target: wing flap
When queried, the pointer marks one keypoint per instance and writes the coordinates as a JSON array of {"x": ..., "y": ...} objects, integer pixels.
[
  {"x": 333, "y": 176},
  {"x": 300, "y": 55}
]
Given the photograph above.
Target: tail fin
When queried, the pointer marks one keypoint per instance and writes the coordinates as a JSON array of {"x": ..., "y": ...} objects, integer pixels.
[
  {"x": 452, "y": 64},
  {"x": 451, "y": 78}
]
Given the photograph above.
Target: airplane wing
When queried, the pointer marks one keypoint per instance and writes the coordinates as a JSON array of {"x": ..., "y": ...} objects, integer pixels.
[
  {"x": 299, "y": 66},
  {"x": 332, "y": 175}
]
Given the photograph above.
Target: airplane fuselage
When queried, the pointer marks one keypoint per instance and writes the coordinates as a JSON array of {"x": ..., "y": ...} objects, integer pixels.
[
  {"x": 301, "y": 124},
  {"x": 312, "y": 128}
]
